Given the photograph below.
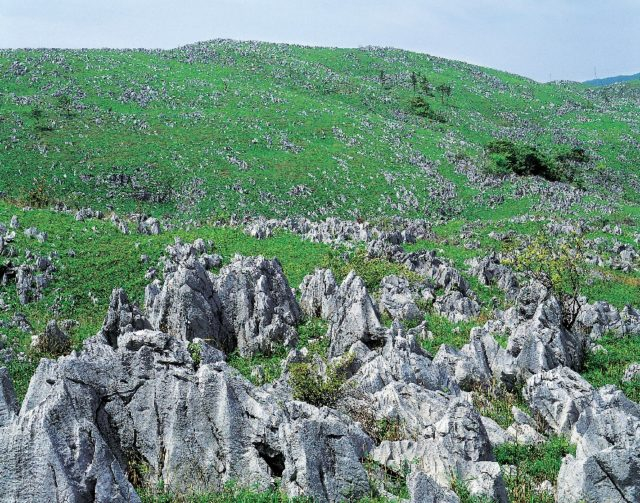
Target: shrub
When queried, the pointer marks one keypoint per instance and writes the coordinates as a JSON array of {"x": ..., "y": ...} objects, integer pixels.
[
  {"x": 422, "y": 108},
  {"x": 195, "y": 350},
  {"x": 559, "y": 266},
  {"x": 38, "y": 196},
  {"x": 310, "y": 384},
  {"x": 504, "y": 157}
]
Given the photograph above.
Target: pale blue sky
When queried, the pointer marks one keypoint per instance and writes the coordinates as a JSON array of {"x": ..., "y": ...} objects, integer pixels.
[{"x": 561, "y": 39}]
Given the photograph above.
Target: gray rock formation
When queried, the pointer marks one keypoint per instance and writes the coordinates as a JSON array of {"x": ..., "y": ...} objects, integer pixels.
[
  {"x": 594, "y": 320},
  {"x": 144, "y": 404},
  {"x": 456, "y": 307},
  {"x": 558, "y": 396},
  {"x": 31, "y": 280},
  {"x": 122, "y": 317},
  {"x": 398, "y": 300},
  {"x": 258, "y": 306},
  {"x": 631, "y": 373},
  {"x": 604, "y": 425},
  {"x": 356, "y": 318},
  {"x": 8, "y": 402},
  {"x": 490, "y": 271},
  {"x": 399, "y": 383},
  {"x": 423, "y": 489},
  {"x": 319, "y": 294},
  {"x": 186, "y": 305}
]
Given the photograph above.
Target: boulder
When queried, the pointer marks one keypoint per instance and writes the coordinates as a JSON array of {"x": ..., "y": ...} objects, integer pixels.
[
  {"x": 558, "y": 397},
  {"x": 423, "y": 489},
  {"x": 456, "y": 307},
  {"x": 606, "y": 466},
  {"x": 397, "y": 299}
]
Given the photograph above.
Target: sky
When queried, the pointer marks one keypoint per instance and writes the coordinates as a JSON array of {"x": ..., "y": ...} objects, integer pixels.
[{"x": 541, "y": 39}]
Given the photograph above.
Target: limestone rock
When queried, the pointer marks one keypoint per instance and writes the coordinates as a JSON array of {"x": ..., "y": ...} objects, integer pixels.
[
  {"x": 319, "y": 294},
  {"x": 356, "y": 318},
  {"x": 258, "y": 306}
]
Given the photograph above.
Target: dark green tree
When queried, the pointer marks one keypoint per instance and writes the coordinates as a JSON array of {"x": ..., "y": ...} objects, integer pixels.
[
  {"x": 445, "y": 92},
  {"x": 383, "y": 78}
]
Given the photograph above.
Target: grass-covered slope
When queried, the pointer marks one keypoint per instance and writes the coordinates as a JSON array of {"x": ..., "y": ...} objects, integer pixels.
[{"x": 223, "y": 128}]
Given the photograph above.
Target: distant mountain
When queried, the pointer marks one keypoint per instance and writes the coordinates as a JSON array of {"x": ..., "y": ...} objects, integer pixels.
[{"x": 612, "y": 80}]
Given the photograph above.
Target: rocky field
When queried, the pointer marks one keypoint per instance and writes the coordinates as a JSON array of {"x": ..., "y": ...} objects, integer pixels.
[{"x": 238, "y": 272}]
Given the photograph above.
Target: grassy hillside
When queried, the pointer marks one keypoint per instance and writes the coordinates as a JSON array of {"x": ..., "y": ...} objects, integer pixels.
[{"x": 222, "y": 128}]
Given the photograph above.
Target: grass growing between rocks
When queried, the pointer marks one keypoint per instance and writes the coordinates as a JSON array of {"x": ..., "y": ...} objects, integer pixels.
[
  {"x": 271, "y": 365},
  {"x": 496, "y": 403},
  {"x": 390, "y": 481},
  {"x": 532, "y": 465},
  {"x": 608, "y": 367},
  {"x": 446, "y": 332},
  {"x": 105, "y": 259},
  {"x": 461, "y": 489},
  {"x": 311, "y": 335},
  {"x": 230, "y": 494},
  {"x": 233, "y": 493}
]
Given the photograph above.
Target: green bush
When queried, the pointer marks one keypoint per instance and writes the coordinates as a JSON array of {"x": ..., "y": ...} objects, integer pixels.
[
  {"x": 421, "y": 107},
  {"x": 504, "y": 157},
  {"x": 311, "y": 385}
]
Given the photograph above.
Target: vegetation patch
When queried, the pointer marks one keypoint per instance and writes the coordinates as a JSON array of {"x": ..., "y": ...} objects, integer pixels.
[
  {"x": 608, "y": 366},
  {"x": 532, "y": 465},
  {"x": 313, "y": 384},
  {"x": 505, "y": 157}
]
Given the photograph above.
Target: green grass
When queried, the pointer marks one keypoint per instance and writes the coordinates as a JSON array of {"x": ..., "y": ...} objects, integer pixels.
[
  {"x": 232, "y": 493},
  {"x": 446, "y": 332},
  {"x": 533, "y": 465},
  {"x": 607, "y": 367}
]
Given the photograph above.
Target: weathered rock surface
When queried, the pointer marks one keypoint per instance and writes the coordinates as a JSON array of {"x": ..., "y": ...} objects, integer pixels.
[
  {"x": 258, "y": 306},
  {"x": 490, "y": 271},
  {"x": 398, "y": 299},
  {"x": 423, "y": 489},
  {"x": 399, "y": 383},
  {"x": 604, "y": 425},
  {"x": 355, "y": 319},
  {"x": 457, "y": 307},
  {"x": 319, "y": 294},
  {"x": 186, "y": 305},
  {"x": 145, "y": 402},
  {"x": 594, "y": 320}
]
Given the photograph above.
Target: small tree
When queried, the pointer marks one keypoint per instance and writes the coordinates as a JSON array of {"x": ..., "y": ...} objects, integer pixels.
[
  {"x": 414, "y": 81},
  {"x": 65, "y": 103},
  {"x": 383, "y": 78},
  {"x": 445, "y": 92},
  {"x": 426, "y": 86},
  {"x": 559, "y": 266}
]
